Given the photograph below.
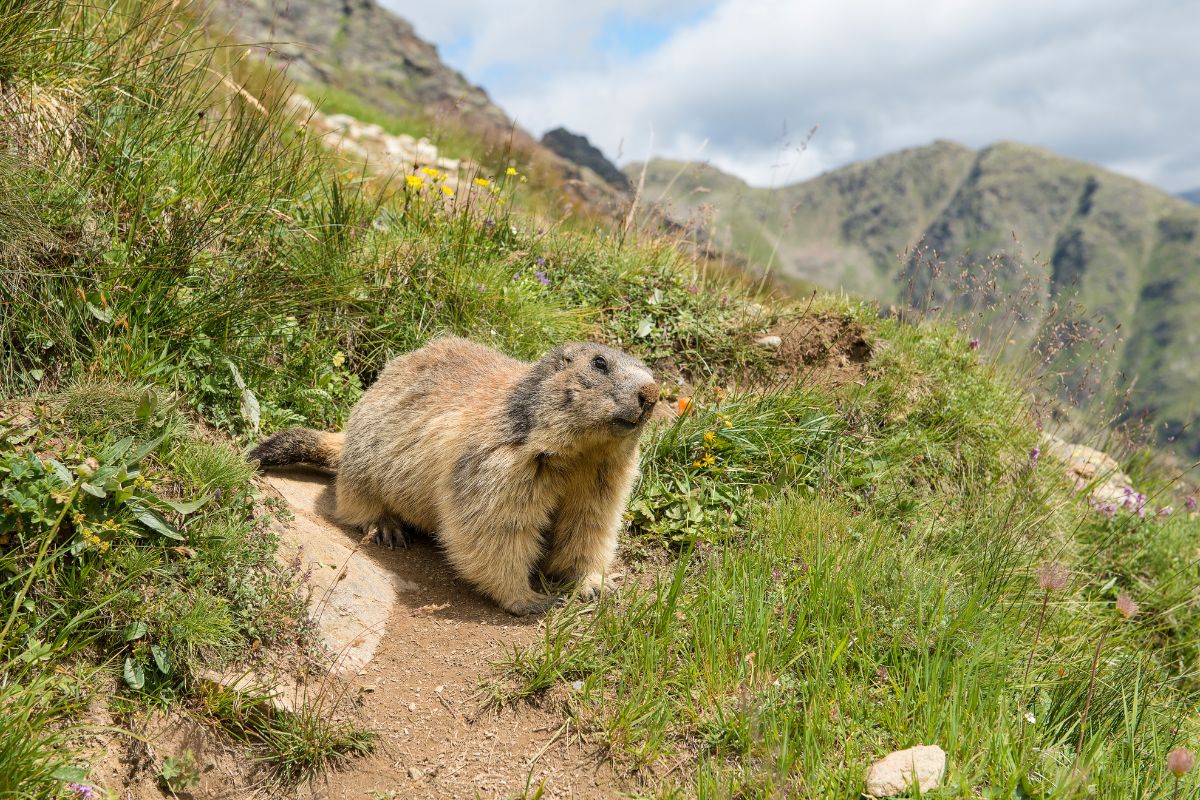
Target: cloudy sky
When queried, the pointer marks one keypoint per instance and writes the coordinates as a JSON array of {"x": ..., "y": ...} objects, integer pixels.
[{"x": 741, "y": 83}]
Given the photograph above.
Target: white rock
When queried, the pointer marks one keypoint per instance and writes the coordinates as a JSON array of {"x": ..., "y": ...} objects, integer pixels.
[
  {"x": 1090, "y": 467},
  {"x": 894, "y": 774},
  {"x": 415, "y": 773},
  {"x": 274, "y": 691},
  {"x": 301, "y": 106},
  {"x": 340, "y": 122},
  {"x": 353, "y": 596},
  {"x": 773, "y": 342}
]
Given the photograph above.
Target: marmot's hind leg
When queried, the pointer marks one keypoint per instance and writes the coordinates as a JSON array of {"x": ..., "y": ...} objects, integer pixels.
[
  {"x": 386, "y": 532},
  {"x": 369, "y": 515}
]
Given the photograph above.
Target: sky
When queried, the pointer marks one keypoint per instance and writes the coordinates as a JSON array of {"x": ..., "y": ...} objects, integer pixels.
[{"x": 776, "y": 91}]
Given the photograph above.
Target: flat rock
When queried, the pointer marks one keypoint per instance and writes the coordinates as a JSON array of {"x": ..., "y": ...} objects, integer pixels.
[
  {"x": 896, "y": 772},
  {"x": 771, "y": 342},
  {"x": 278, "y": 692},
  {"x": 1090, "y": 467},
  {"x": 352, "y": 596}
]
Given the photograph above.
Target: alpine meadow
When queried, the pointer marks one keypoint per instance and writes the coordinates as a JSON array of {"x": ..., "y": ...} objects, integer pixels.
[{"x": 855, "y": 531}]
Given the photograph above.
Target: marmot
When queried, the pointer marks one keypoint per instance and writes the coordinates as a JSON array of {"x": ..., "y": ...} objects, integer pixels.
[{"x": 506, "y": 463}]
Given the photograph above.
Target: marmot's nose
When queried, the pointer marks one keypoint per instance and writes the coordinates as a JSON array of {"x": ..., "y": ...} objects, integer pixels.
[{"x": 648, "y": 396}]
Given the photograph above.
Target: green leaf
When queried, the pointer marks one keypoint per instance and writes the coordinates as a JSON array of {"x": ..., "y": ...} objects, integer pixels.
[
  {"x": 147, "y": 404},
  {"x": 115, "y": 450},
  {"x": 162, "y": 659},
  {"x": 61, "y": 471},
  {"x": 145, "y": 450},
  {"x": 189, "y": 507},
  {"x": 154, "y": 521},
  {"x": 135, "y": 630},
  {"x": 135, "y": 676},
  {"x": 93, "y": 490},
  {"x": 644, "y": 327},
  {"x": 70, "y": 774},
  {"x": 102, "y": 315},
  {"x": 36, "y": 651}
]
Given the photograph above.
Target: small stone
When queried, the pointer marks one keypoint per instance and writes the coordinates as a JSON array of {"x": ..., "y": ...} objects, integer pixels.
[
  {"x": 412, "y": 706},
  {"x": 770, "y": 342},
  {"x": 577, "y": 685},
  {"x": 415, "y": 773},
  {"x": 895, "y": 773}
]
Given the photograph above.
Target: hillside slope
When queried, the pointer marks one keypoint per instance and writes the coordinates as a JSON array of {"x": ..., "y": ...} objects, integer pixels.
[
  {"x": 358, "y": 58},
  {"x": 1060, "y": 245},
  {"x": 842, "y": 544}
]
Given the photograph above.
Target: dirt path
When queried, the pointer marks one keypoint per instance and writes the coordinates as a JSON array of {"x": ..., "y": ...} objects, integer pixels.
[{"x": 417, "y": 668}]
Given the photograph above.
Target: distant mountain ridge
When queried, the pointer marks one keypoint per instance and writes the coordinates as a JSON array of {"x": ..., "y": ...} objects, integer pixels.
[
  {"x": 361, "y": 47},
  {"x": 1054, "y": 229},
  {"x": 361, "y": 50}
]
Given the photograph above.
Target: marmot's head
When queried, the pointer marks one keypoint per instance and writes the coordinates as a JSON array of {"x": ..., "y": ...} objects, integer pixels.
[{"x": 584, "y": 390}]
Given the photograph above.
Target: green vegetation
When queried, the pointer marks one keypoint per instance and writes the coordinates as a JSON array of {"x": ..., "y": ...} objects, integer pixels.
[
  {"x": 818, "y": 573},
  {"x": 856, "y": 572},
  {"x": 1011, "y": 241}
]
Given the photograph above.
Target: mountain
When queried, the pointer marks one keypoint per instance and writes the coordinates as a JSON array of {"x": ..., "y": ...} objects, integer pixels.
[
  {"x": 577, "y": 149},
  {"x": 359, "y": 47},
  {"x": 359, "y": 59},
  {"x": 1192, "y": 196},
  {"x": 1055, "y": 250}
]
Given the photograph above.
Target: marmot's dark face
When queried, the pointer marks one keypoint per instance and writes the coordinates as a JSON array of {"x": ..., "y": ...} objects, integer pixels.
[{"x": 590, "y": 389}]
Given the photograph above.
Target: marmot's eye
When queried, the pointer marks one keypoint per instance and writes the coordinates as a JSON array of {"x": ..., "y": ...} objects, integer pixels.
[{"x": 599, "y": 363}]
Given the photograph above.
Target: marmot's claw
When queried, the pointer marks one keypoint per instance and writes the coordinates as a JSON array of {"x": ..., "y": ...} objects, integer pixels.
[
  {"x": 538, "y": 604},
  {"x": 387, "y": 534}
]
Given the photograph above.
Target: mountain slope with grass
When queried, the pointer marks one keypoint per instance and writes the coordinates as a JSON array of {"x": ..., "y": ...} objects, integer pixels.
[
  {"x": 846, "y": 541},
  {"x": 359, "y": 59},
  {"x": 1033, "y": 247}
]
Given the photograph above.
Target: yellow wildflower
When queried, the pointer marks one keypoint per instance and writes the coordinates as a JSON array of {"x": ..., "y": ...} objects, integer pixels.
[
  {"x": 447, "y": 190},
  {"x": 483, "y": 182},
  {"x": 431, "y": 172},
  {"x": 415, "y": 180},
  {"x": 510, "y": 171},
  {"x": 500, "y": 200},
  {"x": 709, "y": 436},
  {"x": 339, "y": 358},
  {"x": 708, "y": 460}
]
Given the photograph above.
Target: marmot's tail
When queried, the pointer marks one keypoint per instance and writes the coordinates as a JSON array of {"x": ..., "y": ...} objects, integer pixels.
[{"x": 300, "y": 446}]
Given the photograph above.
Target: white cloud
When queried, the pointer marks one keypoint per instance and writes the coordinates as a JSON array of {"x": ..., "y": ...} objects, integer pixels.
[{"x": 1111, "y": 81}]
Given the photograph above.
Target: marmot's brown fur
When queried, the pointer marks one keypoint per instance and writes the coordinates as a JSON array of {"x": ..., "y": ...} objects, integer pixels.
[{"x": 507, "y": 464}]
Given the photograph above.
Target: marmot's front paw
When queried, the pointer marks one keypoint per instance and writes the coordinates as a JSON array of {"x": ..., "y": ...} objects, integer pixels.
[
  {"x": 589, "y": 587},
  {"x": 385, "y": 533},
  {"x": 535, "y": 603}
]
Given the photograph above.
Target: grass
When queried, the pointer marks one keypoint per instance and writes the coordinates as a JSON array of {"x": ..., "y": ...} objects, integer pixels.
[
  {"x": 861, "y": 579},
  {"x": 817, "y": 573}
]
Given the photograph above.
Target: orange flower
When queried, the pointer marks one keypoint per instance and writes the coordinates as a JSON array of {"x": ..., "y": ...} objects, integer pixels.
[{"x": 683, "y": 405}]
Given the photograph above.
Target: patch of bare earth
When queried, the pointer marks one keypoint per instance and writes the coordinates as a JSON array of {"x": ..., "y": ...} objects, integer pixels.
[
  {"x": 413, "y": 644},
  {"x": 825, "y": 348},
  {"x": 420, "y": 688}
]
